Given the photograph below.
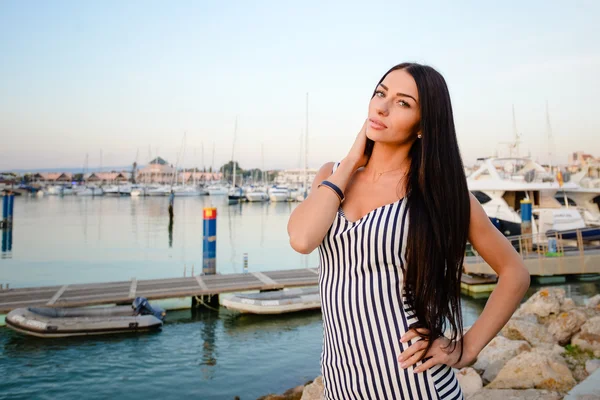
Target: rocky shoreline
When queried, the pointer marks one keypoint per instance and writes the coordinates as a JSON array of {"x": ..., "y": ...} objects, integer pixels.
[{"x": 549, "y": 345}]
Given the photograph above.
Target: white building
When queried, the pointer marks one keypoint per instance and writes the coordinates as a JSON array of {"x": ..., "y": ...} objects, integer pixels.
[{"x": 295, "y": 177}]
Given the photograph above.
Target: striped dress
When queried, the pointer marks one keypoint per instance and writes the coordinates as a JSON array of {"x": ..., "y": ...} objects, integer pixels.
[{"x": 365, "y": 314}]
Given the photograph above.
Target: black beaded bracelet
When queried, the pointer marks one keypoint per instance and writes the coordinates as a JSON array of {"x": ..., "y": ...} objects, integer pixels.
[{"x": 333, "y": 187}]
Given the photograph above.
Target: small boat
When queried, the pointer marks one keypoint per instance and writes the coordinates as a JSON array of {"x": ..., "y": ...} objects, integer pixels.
[
  {"x": 275, "y": 302},
  {"x": 279, "y": 194},
  {"x": 49, "y": 322}
]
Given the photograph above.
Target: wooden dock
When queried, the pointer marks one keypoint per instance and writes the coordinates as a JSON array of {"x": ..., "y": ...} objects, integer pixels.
[
  {"x": 126, "y": 291},
  {"x": 80, "y": 295}
]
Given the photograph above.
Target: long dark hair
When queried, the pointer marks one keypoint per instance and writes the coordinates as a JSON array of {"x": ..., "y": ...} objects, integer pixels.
[{"x": 439, "y": 208}]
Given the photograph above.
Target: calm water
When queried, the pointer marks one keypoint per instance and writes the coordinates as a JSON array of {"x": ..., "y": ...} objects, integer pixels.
[{"x": 208, "y": 355}]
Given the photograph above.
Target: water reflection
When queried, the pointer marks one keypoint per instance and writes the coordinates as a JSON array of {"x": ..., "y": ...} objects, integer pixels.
[
  {"x": 209, "y": 321},
  {"x": 7, "y": 237},
  {"x": 170, "y": 233}
]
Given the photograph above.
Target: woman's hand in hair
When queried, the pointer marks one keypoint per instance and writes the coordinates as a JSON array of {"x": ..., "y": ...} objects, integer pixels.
[
  {"x": 356, "y": 156},
  {"x": 442, "y": 351}
]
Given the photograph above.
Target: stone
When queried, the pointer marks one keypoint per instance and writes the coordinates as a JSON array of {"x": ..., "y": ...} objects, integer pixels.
[
  {"x": 565, "y": 325},
  {"x": 313, "y": 391},
  {"x": 498, "y": 351},
  {"x": 591, "y": 366},
  {"x": 544, "y": 302},
  {"x": 469, "y": 381},
  {"x": 567, "y": 305},
  {"x": 593, "y": 302},
  {"x": 534, "y": 333},
  {"x": 589, "y": 336},
  {"x": 511, "y": 394},
  {"x": 535, "y": 370}
]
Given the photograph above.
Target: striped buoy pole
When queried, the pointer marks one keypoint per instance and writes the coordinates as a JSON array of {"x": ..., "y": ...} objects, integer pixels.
[
  {"x": 209, "y": 242},
  {"x": 526, "y": 228},
  {"x": 209, "y": 256}
]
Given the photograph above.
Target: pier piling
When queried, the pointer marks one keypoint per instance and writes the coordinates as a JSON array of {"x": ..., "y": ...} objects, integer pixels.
[{"x": 209, "y": 254}]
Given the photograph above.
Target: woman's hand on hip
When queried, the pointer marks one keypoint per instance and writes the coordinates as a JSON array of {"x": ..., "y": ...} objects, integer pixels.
[{"x": 442, "y": 351}]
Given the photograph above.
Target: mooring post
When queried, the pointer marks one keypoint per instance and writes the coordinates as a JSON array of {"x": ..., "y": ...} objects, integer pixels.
[
  {"x": 526, "y": 229},
  {"x": 11, "y": 208},
  {"x": 209, "y": 253}
]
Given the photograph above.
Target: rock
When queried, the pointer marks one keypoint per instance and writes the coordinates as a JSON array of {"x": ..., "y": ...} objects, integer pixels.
[
  {"x": 314, "y": 391},
  {"x": 493, "y": 356},
  {"x": 565, "y": 325},
  {"x": 543, "y": 303},
  {"x": 589, "y": 336},
  {"x": 469, "y": 381},
  {"x": 533, "y": 333},
  {"x": 491, "y": 372},
  {"x": 509, "y": 394},
  {"x": 567, "y": 305},
  {"x": 593, "y": 302},
  {"x": 535, "y": 370},
  {"x": 591, "y": 366}
]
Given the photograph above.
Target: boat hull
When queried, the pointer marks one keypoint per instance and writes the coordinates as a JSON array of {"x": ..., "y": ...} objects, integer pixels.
[
  {"x": 277, "y": 302},
  {"x": 68, "y": 322}
]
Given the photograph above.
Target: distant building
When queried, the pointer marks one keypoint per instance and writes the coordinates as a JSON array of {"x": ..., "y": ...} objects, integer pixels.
[
  {"x": 107, "y": 177},
  {"x": 53, "y": 177},
  {"x": 157, "y": 171},
  {"x": 295, "y": 176}
]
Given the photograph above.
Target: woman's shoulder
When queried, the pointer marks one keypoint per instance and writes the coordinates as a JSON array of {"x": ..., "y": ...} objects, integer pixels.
[{"x": 327, "y": 168}]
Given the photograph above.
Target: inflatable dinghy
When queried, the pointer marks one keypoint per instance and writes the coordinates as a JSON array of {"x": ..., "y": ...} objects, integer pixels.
[
  {"x": 276, "y": 302},
  {"x": 49, "y": 322}
]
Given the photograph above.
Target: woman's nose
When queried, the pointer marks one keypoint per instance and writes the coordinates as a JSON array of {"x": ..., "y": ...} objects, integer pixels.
[{"x": 382, "y": 108}]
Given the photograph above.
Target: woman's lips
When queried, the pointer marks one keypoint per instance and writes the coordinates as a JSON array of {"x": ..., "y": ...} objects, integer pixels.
[{"x": 378, "y": 125}]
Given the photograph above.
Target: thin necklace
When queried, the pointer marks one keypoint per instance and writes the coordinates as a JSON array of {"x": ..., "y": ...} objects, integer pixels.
[{"x": 384, "y": 172}]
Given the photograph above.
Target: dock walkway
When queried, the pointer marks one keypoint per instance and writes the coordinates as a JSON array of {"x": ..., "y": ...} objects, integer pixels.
[{"x": 126, "y": 291}]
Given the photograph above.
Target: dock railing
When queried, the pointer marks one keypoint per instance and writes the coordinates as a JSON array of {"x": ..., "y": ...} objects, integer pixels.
[{"x": 569, "y": 252}]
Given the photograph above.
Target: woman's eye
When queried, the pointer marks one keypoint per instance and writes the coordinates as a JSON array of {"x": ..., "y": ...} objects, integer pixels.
[
  {"x": 379, "y": 93},
  {"x": 403, "y": 103}
]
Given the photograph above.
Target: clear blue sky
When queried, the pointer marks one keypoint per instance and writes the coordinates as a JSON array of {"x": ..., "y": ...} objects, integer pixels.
[{"x": 116, "y": 77}]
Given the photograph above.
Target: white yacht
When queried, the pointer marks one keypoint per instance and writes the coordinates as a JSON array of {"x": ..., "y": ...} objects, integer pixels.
[
  {"x": 279, "y": 194},
  {"x": 583, "y": 192},
  {"x": 256, "y": 194},
  {"x": 501, "y": 183},
  {"x": 181, "y": 191},
  {"x": 158, "y": 190},
  {"x": 117, "y": 190},
  {"x": 217, "y": 190},
  {"x": 90, "y": 191}
]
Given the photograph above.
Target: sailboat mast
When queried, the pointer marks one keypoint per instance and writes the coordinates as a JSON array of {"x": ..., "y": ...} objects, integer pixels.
[
  {"x": 516, "y": 144},
  {"x": 306, "y": 151},
  {"x": 549, "y": 131},
  {"x": 233, "y": 150},
  {"x": 212, "y": 165},
  {"x": 262, "y": 171}
]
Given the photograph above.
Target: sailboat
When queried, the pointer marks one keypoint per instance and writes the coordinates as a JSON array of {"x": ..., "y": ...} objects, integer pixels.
[
  {"x": 304, "y": 194},
  {"x": 236, "y": 194},
  {"x": 259, "y": 193}
]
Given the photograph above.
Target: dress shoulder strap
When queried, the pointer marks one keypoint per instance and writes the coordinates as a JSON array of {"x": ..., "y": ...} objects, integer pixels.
[{"x": 335, "y": 166}]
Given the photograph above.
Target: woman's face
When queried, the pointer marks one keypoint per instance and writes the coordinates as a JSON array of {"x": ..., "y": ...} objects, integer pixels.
[{"x": 394, "y": 112}]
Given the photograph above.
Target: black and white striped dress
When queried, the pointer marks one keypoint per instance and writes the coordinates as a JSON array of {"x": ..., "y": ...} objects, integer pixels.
[{"x": 365, "y": 315}]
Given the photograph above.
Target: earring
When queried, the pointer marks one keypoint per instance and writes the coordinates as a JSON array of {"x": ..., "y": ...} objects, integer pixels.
[{"x": 419, "y": 136}]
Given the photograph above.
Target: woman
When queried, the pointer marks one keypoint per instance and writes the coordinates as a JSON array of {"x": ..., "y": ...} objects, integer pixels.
[{"x": 391, "y": 222}]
